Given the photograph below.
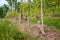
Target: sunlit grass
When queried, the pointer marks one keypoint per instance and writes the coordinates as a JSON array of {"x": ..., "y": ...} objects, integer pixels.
[{"x": 52, "y": 21}]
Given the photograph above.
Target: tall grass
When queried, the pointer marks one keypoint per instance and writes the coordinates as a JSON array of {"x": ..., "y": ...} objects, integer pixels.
[{"x": 9, "y": 31}]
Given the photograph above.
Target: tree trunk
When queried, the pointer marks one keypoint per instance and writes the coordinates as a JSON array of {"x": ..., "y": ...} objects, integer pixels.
[
  {"x": 38, "y": 21},
  {"x": 52, "y": 12},
  {"x": 11, "y": 6},
  {"x": 21, "y": 17},
  {"x": 39, "y": 25},
  {"x": 44, "y": 12}
]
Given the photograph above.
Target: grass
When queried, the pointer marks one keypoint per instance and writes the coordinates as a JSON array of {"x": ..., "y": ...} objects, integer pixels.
[
  {"x": 52, "y": 21},
  {"x": 10, "y": 14},
  {"x": 7, "y": 28},
  {"x": 32, "y": 19},
  {"x": 9, "y": 31}
]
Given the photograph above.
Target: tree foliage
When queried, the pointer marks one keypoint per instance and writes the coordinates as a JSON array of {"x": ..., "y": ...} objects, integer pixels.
[{"x": 3, "y": 11}]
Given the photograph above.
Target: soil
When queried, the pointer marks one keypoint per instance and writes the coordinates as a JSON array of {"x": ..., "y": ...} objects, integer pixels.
[{"x": 33, "y": 30}]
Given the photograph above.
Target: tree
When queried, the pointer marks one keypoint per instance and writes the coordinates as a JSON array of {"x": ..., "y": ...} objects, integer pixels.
[
  {"x": 12, "y": 4},
  {"x": 50, "y": 5},
  {"x": 21, "y": 11},
  {"x": 3, "y": 11}
]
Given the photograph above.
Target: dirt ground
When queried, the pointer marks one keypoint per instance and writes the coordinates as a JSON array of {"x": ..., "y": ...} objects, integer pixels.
[{"x": 33, "y": 30}]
